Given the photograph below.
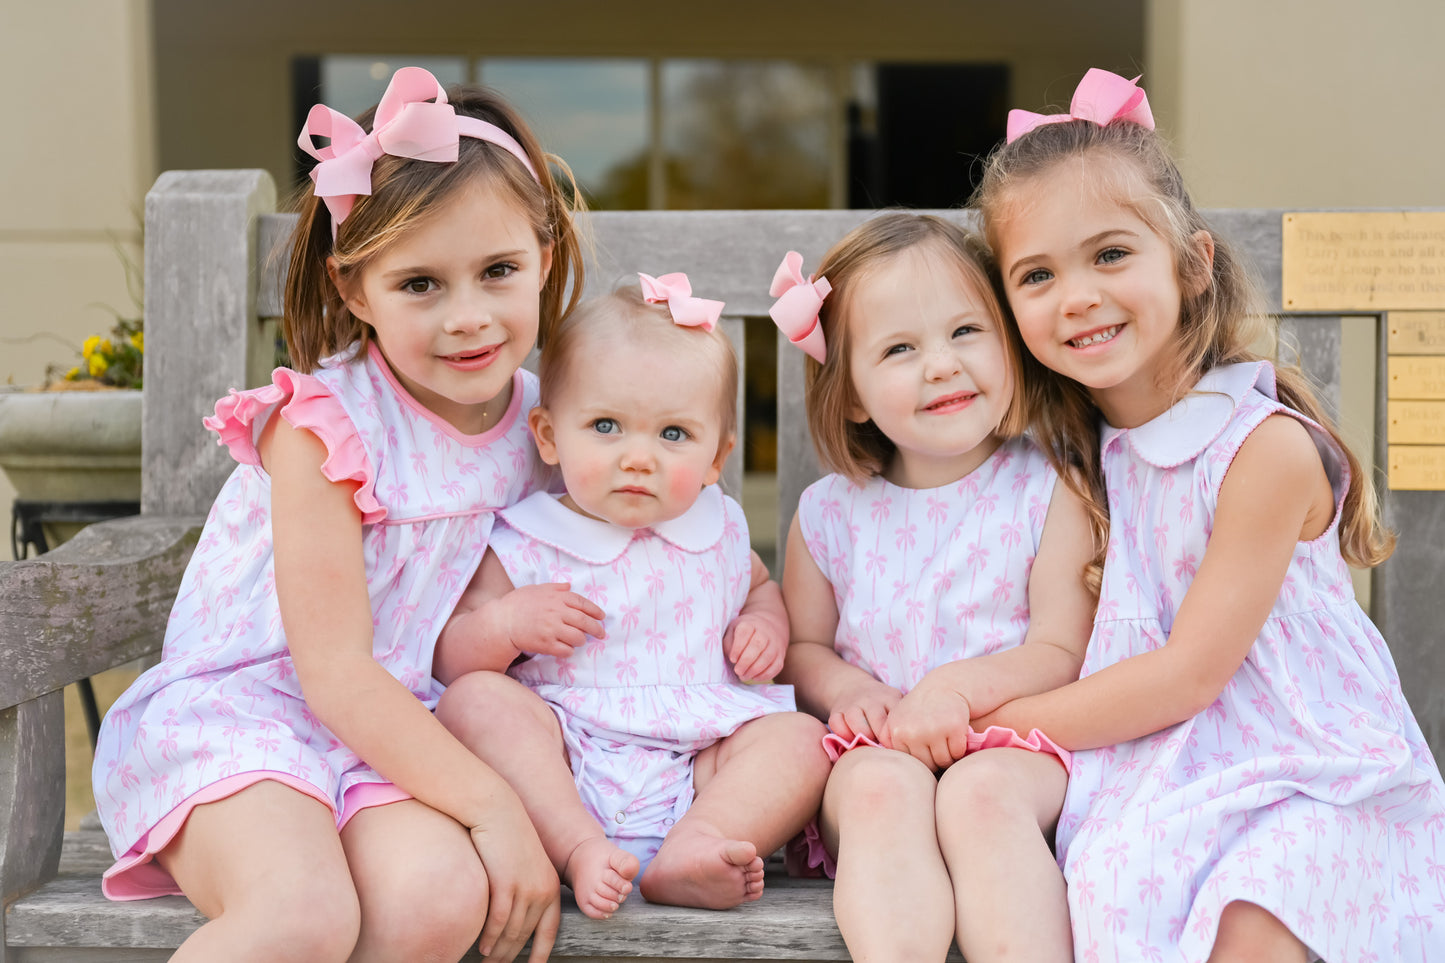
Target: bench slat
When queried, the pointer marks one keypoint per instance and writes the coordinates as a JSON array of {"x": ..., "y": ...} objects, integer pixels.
[{"x": 793, "y": 921}]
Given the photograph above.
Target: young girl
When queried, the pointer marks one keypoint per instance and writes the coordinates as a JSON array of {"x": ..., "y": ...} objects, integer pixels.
[
  {"x": 1248, "y": 782},
  {"x": 281, "y": 766},
  {"x": 936, "y": 574},
  {"x": 645, "y": 752}
]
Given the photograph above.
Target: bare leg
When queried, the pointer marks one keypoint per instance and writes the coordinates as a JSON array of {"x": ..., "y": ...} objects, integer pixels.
[
  {"x": 1251, "y": 934},
  {"x": 514, "y": 732},
  {"x": 267, "y": 868},
  {"x": 755, "y": 790},
  {"x": 422, "y": 888},
  {"x": 996, "y": 814},
  {"x": 892, "y": 898}
]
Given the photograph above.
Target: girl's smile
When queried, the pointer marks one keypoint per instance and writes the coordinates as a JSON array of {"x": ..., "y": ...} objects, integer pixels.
[{"x": 1095, "y": 290}]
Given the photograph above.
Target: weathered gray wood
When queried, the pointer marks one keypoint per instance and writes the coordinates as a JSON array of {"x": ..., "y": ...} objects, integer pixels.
[
  {"x": 793, "y": 921},
  {"x": 797, "y": 458},
  {"x": 96, "y": 602},
  {"x": 732, "y": 476},
  {"x": 1405, "y": 591},
  {"x": 1313, "y": 343},
  {"x": 32, "y": 794},
  {"x": 202, "y": 332}
]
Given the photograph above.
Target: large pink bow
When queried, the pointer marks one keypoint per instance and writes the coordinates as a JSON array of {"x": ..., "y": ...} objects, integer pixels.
[
  {"x": 676, "y": 291},
  {"x": 406, "y": 124},
  {"x": 795, "y": 311},
  {"x": 1101, "y": 96}
]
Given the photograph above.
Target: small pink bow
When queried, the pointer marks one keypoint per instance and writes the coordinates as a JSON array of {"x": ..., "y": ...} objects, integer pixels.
[
  {"x": 795, "y": 311},
  {"x": 676, "y": 290},
  {"x": 1101, "y": 96},
  {"x": 406, "y": 124}
]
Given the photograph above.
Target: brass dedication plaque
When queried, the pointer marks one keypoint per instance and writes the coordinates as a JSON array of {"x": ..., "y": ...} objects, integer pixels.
[
  {"x": 1418, "y": 378},
  {"x": 1417, "y": 467},
  {"x": 1416, "y": 332},
  {"x": 1363, "y": 261},
  {"x": 1415, "y": 422}
]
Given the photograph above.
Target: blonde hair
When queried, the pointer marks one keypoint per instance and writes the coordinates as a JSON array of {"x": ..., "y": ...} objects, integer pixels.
[
  {"x": 845, "y": 446},
  {"x": 403, "y": 192},
  {"x": 623, "y": 316},
  {"x": 1221, "y": 313}
]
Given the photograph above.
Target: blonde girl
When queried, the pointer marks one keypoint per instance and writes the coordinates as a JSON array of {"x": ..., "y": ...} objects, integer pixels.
[
  {"x": 1248, "y": 782},
  {"x": 281, "y": 766},
  {"x": 937, "y": 573},
  {"x": 635, "y": 744}
]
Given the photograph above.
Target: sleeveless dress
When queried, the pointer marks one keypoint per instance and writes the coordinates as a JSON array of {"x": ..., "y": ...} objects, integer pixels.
[
  {"x": 1306, "y": 788},
  {"x": 637, "y": 706},
  {"x": 223, "y": 709},
  {"x": 924, "y": 577}
]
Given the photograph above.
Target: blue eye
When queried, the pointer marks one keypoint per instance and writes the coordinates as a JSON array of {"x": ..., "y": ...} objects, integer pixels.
[
  {"x": 674, "y": 433},
  {"x": 1037, "y": 276},
  {"x": 891, "y": 350},
  {"x": 964, "y": 329},
  {"x": 1112, "y": 255},
  {"x": 605, "y": 426}
]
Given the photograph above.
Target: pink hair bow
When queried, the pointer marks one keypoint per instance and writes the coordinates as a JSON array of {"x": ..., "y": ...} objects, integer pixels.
[
  {"x": 406, "y": 124},
  {"x": 676, "y": 291},
  {"x": 795, "y": 311},
  {"x": 1101, "y": 96}
]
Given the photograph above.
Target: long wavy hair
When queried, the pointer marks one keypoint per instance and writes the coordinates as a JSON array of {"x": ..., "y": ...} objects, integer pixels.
[{"x": 1221, "y": 318}]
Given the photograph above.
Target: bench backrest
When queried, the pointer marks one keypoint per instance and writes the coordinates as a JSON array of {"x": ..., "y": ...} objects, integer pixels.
[{"x": 215, "y": 263}]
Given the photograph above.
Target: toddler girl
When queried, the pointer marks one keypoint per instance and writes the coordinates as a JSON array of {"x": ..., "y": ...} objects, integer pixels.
[
  {"x": 936, "y": 574},
  {"x": 1248, "y": 782},
  {"x": 280, "y": 766},
  {"x": 644, "y": 749}
]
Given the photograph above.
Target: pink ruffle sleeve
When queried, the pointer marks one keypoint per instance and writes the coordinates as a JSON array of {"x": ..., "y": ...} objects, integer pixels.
[
  {"x": 994, "y": 737},
  {"x": 305, "y": 403}
]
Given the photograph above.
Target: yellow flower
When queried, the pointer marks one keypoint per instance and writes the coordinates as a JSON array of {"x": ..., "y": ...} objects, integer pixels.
[
  {"x": 139, "y": 340},
  {"x": 91, "y": 343},
  {"x": 73, "y": 374},
  {"x": 97, "y": 365},
  {"x": 106, "y": 348}
]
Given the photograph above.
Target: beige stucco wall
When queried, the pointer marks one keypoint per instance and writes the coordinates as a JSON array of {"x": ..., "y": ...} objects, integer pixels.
[{"x": 78, "y": 156}]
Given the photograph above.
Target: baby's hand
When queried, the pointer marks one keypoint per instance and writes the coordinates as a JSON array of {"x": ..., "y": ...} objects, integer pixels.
[
  {"x": 754, "y": 648},
  {"x": 863, "y": 710},
  {"x": 930, "y": 723},
  {"x": 545, "y": 619}
]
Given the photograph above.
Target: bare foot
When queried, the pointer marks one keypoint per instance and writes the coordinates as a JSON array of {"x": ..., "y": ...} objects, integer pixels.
[
  {"x": 600, "y": 876},
  {"x": 698, "y": 868}
]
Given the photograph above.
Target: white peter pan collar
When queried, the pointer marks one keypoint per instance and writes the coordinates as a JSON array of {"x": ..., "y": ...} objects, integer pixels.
[
  {"x": 1185, "y": 430},
  {"x": 544, "y": 518}
]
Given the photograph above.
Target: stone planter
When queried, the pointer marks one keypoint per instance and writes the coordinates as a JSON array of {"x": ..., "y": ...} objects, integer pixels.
[{"x": 71, "y": 446}]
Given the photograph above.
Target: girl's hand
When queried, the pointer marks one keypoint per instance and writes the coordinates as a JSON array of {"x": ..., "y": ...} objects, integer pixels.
[
  {"x": 755, "y": 648},
  {"x": 545, "y": 619},
  {"x": 930, "y": 723},
  {"x": 525, "y": 895},
  {"x": 863, "y": 709}
]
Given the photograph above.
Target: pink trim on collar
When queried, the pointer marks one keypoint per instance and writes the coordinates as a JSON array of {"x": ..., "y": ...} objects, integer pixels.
[
  {"x": 514, "y": 406},
  {"x": 543, "y": 517}
]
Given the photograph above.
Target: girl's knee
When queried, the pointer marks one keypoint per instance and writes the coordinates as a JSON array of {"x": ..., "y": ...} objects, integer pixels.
[
  {"x": 1000, "y": 786},
  {"x": 879, "y": 782},
  {"x": 490, "y": 703},
  {"x": 433, "y": 915},
  {"x": 301, "y": 922}
]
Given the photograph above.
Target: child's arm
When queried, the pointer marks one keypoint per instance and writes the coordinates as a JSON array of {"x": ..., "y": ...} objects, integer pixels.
[
  {"x": 757, "y": 639},
  {"x": 1275, "y": 494},
  {"x": 326, "y": 612},
  {"x": 852, "y": 701},
  {"x": 494, "y": 623},
  {"x": 932, "y": 720}
]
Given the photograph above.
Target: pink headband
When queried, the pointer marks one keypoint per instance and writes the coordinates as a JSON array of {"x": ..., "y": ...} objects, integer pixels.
[
  {"x": 405, "y": 125},
  {"x": 1101, "y": 97},
  {"x": 676, "y": 291},
  {"x": 795, "y": 311}
]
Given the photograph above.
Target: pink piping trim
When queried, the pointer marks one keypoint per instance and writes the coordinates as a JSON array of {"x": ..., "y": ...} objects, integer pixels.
[{"x": 473, "y": 441}]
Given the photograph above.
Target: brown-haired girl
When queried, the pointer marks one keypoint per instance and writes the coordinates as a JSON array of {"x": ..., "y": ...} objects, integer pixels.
[
  {"x": 936, "y": 574},
  {"x": 1248, "y": 782},
  {"x": 281, "y": 766}
]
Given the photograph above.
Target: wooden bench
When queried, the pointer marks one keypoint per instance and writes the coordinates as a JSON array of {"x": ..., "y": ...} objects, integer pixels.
[{"x": 102, "y": 599}]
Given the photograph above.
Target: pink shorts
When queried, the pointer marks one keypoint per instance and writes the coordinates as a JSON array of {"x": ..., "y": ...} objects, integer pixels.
[
  {"x": 807, "y": 856},
  {"x": 137, "y": 875}
]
